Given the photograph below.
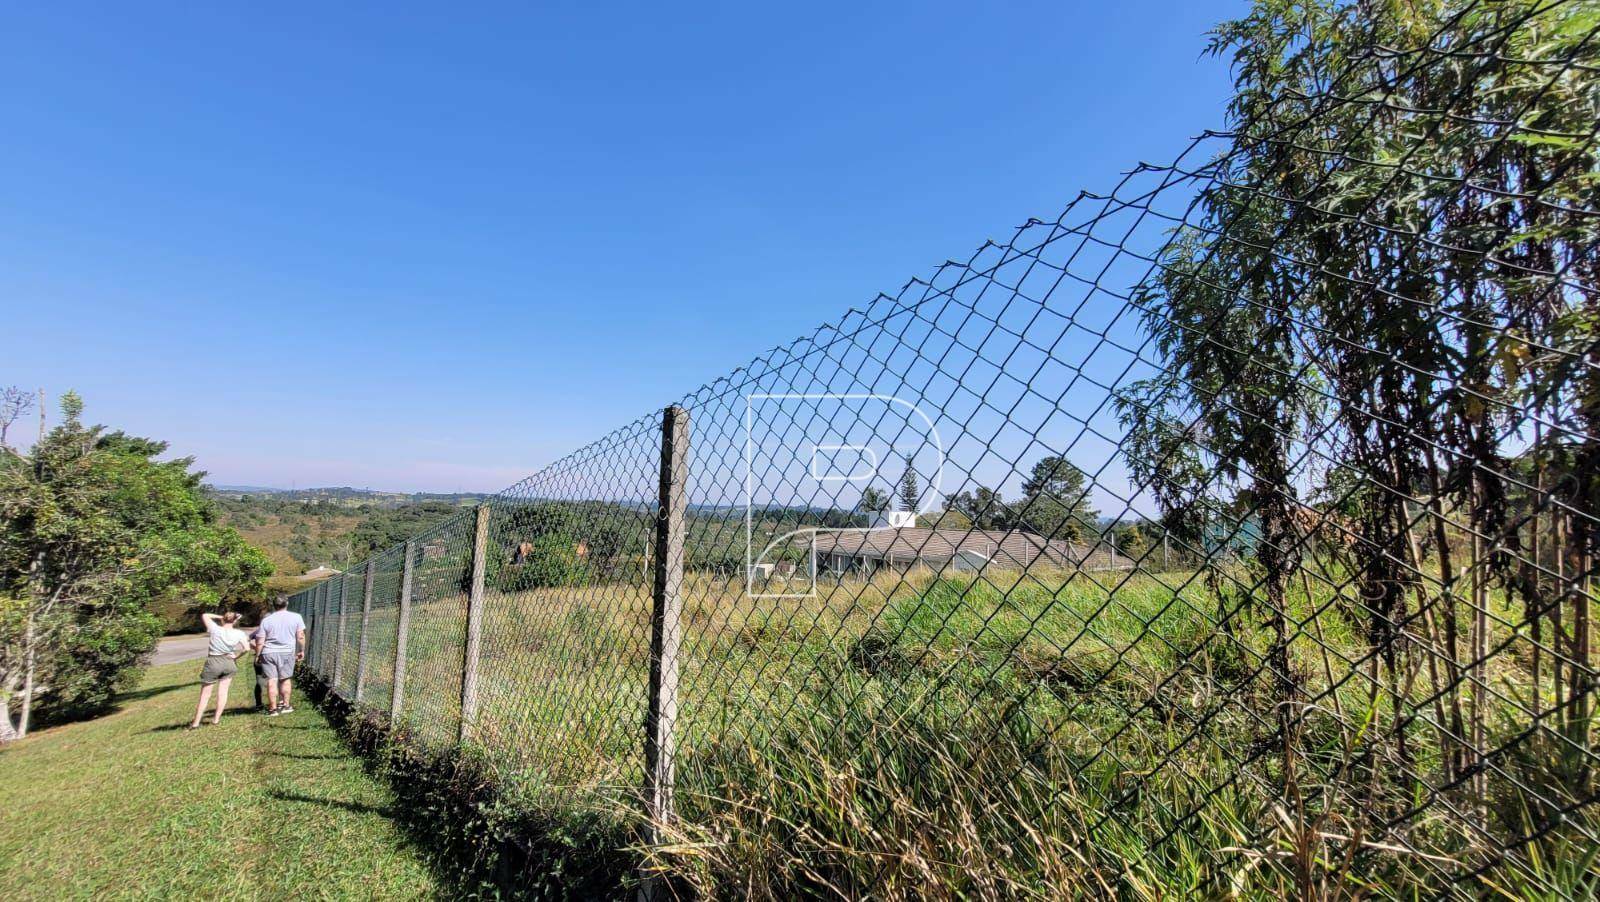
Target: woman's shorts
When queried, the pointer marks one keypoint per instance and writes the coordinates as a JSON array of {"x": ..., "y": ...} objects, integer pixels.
[{"x": 217, "y": 667}]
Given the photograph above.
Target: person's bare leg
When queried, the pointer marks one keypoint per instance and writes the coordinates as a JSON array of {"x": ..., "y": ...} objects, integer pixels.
[
  {"x": 288, "y": 687},
  {"x": 200, "y": 711},
  {"x": 272, "y": 694},
  {"x": 222, "y": 698}
]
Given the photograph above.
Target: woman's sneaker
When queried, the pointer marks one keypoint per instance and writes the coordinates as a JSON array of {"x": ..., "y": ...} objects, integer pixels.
[
  {"x": 286, "y": 709},
  {"x": 273, "y": 713}
]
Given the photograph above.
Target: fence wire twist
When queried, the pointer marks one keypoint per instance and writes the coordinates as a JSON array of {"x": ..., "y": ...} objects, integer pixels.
[{"x": 1239, "y": 524}]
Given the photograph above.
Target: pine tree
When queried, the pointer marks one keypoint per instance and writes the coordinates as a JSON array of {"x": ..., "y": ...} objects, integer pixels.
[{"x": 910, "y": 491}]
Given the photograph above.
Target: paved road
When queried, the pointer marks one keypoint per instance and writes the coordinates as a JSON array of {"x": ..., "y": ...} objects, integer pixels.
[{"x": 173, "y": 649}]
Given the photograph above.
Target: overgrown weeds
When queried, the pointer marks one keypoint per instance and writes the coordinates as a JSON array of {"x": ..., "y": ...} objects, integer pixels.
[{"x": 974, "y": 738}]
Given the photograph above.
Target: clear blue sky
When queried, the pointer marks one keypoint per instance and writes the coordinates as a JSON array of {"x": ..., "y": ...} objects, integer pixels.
[{"x": 435, "y": 250}]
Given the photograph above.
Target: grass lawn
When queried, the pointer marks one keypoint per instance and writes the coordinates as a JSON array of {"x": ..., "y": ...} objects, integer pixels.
[{"x": 131, "y": 805}]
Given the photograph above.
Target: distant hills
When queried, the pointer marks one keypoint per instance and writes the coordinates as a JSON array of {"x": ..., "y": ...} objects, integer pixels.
[
  {"x": 346, "y": 496},
  {"x": 300, "y": 529}
]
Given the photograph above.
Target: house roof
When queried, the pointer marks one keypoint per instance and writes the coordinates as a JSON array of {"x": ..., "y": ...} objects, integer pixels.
[{"x": 1011, "y": 548}]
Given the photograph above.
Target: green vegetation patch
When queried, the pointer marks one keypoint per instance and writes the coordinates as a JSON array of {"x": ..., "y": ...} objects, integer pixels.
[{"x": 132, "y": 805}]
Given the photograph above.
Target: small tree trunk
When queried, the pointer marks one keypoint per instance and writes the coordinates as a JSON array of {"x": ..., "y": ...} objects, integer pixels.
[
  {"x": 31, "y": 637},
  {"x": 27, "y": 681}
]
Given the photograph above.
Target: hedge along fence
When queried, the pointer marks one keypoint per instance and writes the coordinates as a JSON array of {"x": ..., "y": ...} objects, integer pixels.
[{"x": 1337, "y": 365}]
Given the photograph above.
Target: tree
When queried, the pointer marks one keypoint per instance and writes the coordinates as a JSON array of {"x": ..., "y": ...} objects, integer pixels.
[
  {"x": 1132, "y": 542},
  {"x": 552, "y": 560},
  {"x": 950, "y": 519},
  {"x": 14, "y": 402},
  {"x": 983, "y": 507},
  {"x": 910, "y": 491},
  {"x": 1055, "y": 501},
  {"x": 874, "y": 501},
  {"x": 93, "y": 530},
  {"x": 1333, "y": 322}
]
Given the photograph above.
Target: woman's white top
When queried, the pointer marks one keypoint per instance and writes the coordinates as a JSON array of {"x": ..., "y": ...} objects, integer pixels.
[{"x": 225, "y": 640}]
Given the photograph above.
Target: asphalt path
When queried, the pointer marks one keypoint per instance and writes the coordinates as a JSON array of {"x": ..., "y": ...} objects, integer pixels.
[{"x": 175, "y": 649}]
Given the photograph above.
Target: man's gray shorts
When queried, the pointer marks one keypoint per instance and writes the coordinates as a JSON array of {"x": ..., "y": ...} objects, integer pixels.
[{"x": 278, "y": 665}]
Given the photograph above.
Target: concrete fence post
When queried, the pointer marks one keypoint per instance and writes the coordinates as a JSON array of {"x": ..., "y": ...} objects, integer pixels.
[
  {"x": 338, "y": 635},
  {"x": 660, "y": 750},
  {"x": 361, "y": 640},
  {"x": 469, "y": 664},
  {"x": 402, "y": 628}
]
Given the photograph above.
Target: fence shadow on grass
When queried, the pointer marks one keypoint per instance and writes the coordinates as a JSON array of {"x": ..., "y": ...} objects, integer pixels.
[
  {"x": 357, "y": 807},
  {"x": 139, "y": 695},
  {"x": 477, "y": 839}
]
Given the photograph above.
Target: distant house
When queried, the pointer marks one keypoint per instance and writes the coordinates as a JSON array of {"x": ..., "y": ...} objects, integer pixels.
[
  {"x": 321, "y": 572},
  {"x": 902, "y": 548}
]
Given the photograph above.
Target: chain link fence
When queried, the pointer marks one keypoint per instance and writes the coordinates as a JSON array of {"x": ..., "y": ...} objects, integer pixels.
[{"x": 1233, "y": 531}]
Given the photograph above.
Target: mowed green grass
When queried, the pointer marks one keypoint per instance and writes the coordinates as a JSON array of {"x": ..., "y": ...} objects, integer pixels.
[{"x": 129, "y": 805}]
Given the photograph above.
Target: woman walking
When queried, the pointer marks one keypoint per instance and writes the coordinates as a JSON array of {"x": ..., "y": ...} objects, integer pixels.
[{"x": 226, "y": 644}]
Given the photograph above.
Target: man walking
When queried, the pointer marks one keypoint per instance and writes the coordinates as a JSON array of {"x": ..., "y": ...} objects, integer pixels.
[{"x": 283, "y": 642}]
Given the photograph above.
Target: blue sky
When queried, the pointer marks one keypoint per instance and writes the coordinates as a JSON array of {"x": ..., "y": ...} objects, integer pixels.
[{"x": 435, "y": 250}]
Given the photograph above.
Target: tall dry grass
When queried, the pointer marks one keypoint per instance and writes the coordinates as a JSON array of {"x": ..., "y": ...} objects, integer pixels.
[{"x": 990, "y": 736}]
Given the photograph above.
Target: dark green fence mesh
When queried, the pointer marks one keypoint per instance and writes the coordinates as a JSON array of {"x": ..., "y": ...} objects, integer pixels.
[{"x": 1233, "y": 531}]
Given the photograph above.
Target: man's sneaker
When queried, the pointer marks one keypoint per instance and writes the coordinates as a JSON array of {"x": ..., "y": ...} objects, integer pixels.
[
  {"x": 286, "y": 709},
  {"x": 273, "y": 713}
]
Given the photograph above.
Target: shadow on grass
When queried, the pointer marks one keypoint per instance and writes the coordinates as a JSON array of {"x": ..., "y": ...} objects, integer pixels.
[
  {"x": 479, "y": 840},
  {"x": 139, "y": 695},
  {"x": 357, "y": 807},
  {"x": 304, "y": 757}
]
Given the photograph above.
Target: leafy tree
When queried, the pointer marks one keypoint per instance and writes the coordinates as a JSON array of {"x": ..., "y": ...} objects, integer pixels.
[
  {"x": 983, "y": 507},
  {"x": 1165, "y": 451},
  {"x": 93, "y": 531},
  {"x": 1055, "y": 501},
  {"x": 1132, "y": 542},
  {"x": 386, "y": 527},
  {"x": 874, "y": 501},
  {"x": 553, "y": 561},
  {"x": 613, "y": 536},
  {"x": 950, "y": 519},
  {"x": 1371, "y": 303}
]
